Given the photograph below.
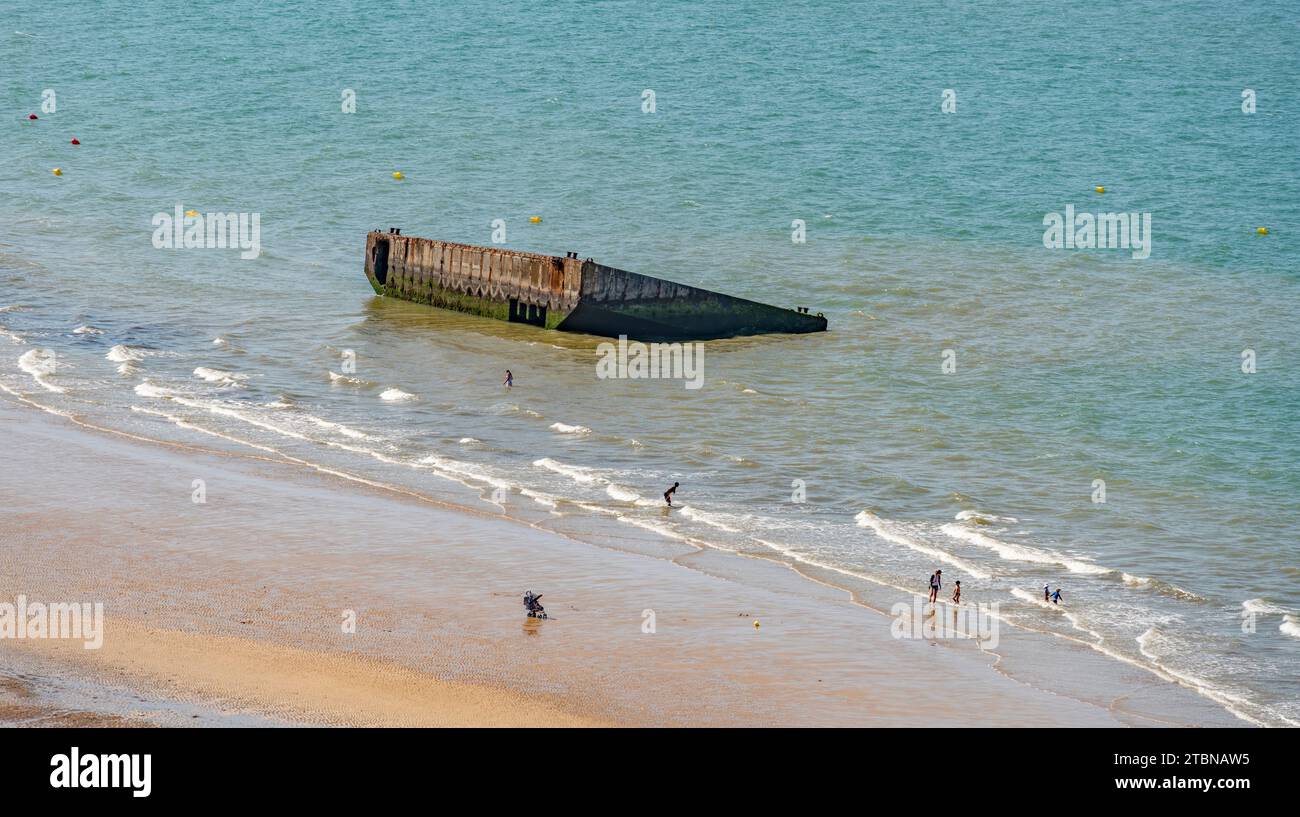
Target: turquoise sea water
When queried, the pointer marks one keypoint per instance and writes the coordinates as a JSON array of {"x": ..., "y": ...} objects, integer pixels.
[{"x": 924, "y": 234}]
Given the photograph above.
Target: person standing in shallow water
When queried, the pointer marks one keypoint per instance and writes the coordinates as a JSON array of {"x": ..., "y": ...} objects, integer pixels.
[
  {"x": 1056, "y": 596},
  {"x": 668, "y": 495},
  {"x": 936, "y": 581},
  {"x": 510, "y": 379}
]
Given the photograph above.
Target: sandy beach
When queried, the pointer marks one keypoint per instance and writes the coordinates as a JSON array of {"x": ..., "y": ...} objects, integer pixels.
[{"x": 231, "y": 611}]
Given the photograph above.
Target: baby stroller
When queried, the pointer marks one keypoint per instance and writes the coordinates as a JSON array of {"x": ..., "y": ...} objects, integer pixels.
[{"x": 535, "y": 610}]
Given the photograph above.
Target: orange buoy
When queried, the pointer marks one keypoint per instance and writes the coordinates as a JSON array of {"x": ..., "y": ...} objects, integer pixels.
[
  {"x": 76, "y": 141},
  {"x": 32, "y": 116}
]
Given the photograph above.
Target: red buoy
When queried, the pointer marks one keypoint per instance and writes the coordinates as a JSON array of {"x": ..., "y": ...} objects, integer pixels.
[
  {"x": 31, "y": 116},
  {"x": 76, "y": 141}
]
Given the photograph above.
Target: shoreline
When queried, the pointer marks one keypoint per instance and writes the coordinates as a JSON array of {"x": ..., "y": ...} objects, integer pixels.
[{"x": 256, "y": 578}]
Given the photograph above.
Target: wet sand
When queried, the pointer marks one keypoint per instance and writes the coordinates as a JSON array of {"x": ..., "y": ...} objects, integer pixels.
[{"x": 232, "y": 611}]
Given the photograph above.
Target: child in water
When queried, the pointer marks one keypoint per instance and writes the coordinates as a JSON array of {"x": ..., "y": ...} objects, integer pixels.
[
  {"x": 1056, "y": 596},
  {"x": 668, "y": 495},
  {"x": 510, "y": 379},
  {"x": 956, "y": 593}
]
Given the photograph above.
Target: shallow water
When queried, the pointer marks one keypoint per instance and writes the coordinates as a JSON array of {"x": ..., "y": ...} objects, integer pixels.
[{"x": 924, "y": 235}]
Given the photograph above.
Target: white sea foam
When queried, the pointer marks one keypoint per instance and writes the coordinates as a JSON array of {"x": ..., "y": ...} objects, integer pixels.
[
  {"x": 40, "y": 364},
  {"x": 85, "y": 329},
  {"x": 713, "y": 520},
  {"x": 1290, "y": 626},
  {"x": 1098, "y": 641},
  {"x": 147, "y": 389},
  {"x": 220, "y": 376},
  {"x": 621, "y": 494},
  {"x": 338, "y": 428},
  {"x": 14, "y": 337},
  {"x": 568, "y": 429},
  {"x": 982, "y": 518},
  {"x": 1022, "y": 553},
  {"x": 469, "y": 471},
  {"x": 441, "y": 467},
  {"x": 1149, "y": 644},
  {"x": 577, "y": 473},
  {"x": 659, "y": 528},
  {"x": 469, "y": 441},
  {"x": 894, "y": 532},
  {"x": 123, "y": 354},
  {"x": 335, "y": 377},
  {"x": 396, "y": 395},
  {"x": 1164, "y": 588},
  {"x": 1263, "y": 608},
  {"x": 540, "y": 498},
  {"x": 126, "y": 357},
  {"x": 1030, "y": 598}
]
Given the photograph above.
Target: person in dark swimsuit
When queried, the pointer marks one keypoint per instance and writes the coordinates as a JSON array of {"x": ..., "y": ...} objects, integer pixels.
[{"x": 668, "y": 495}]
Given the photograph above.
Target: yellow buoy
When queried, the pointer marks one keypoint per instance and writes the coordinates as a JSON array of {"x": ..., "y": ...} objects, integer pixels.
[
  {"x": 191, "y": 213},
  {"x": 1099, "y": 189},
  {"x": 536, "y": 219},
  {"x": 1262, "y": 230},
  {"x": 57, "y": 171},
  {"x": 755, "y": 625},
  {"x": 397, "y": 174}
]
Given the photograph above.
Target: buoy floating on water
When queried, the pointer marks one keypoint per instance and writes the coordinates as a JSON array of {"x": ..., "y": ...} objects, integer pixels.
[
  {"x": 76, "y": 141},
  {"x": 755, "y": 625},
  {"x": 397, "y": 174},
  {"x": 191, "y": 213},
  {"x": 57, "y": 171},
  {"x": 1262, "y": 230},
  {"x": 536, "y": 219},
  {"x": 1099, "y": 189},
  {"x": 32, "y": 116}
]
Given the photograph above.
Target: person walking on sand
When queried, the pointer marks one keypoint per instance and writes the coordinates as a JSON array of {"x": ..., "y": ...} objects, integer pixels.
[
  {"x": 936, "y": 581},
  {"x": 1056, "y": 597},
  {"x": 668, "y": 495},
  {"x": 510, "y": 379},
  {"x": 956, "y": 593}
]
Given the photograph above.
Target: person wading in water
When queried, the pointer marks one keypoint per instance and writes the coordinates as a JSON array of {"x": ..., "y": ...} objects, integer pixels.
[
  {"x": 936, "y": 581},
  {"x": 668, "y": 495}
]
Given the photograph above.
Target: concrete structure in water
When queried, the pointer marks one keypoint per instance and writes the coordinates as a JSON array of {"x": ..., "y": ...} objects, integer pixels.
[{"x": 565, "y": 293}]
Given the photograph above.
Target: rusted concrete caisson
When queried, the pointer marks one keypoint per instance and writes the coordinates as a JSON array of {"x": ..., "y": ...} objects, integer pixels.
[{"x": 565, "y": 293}]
